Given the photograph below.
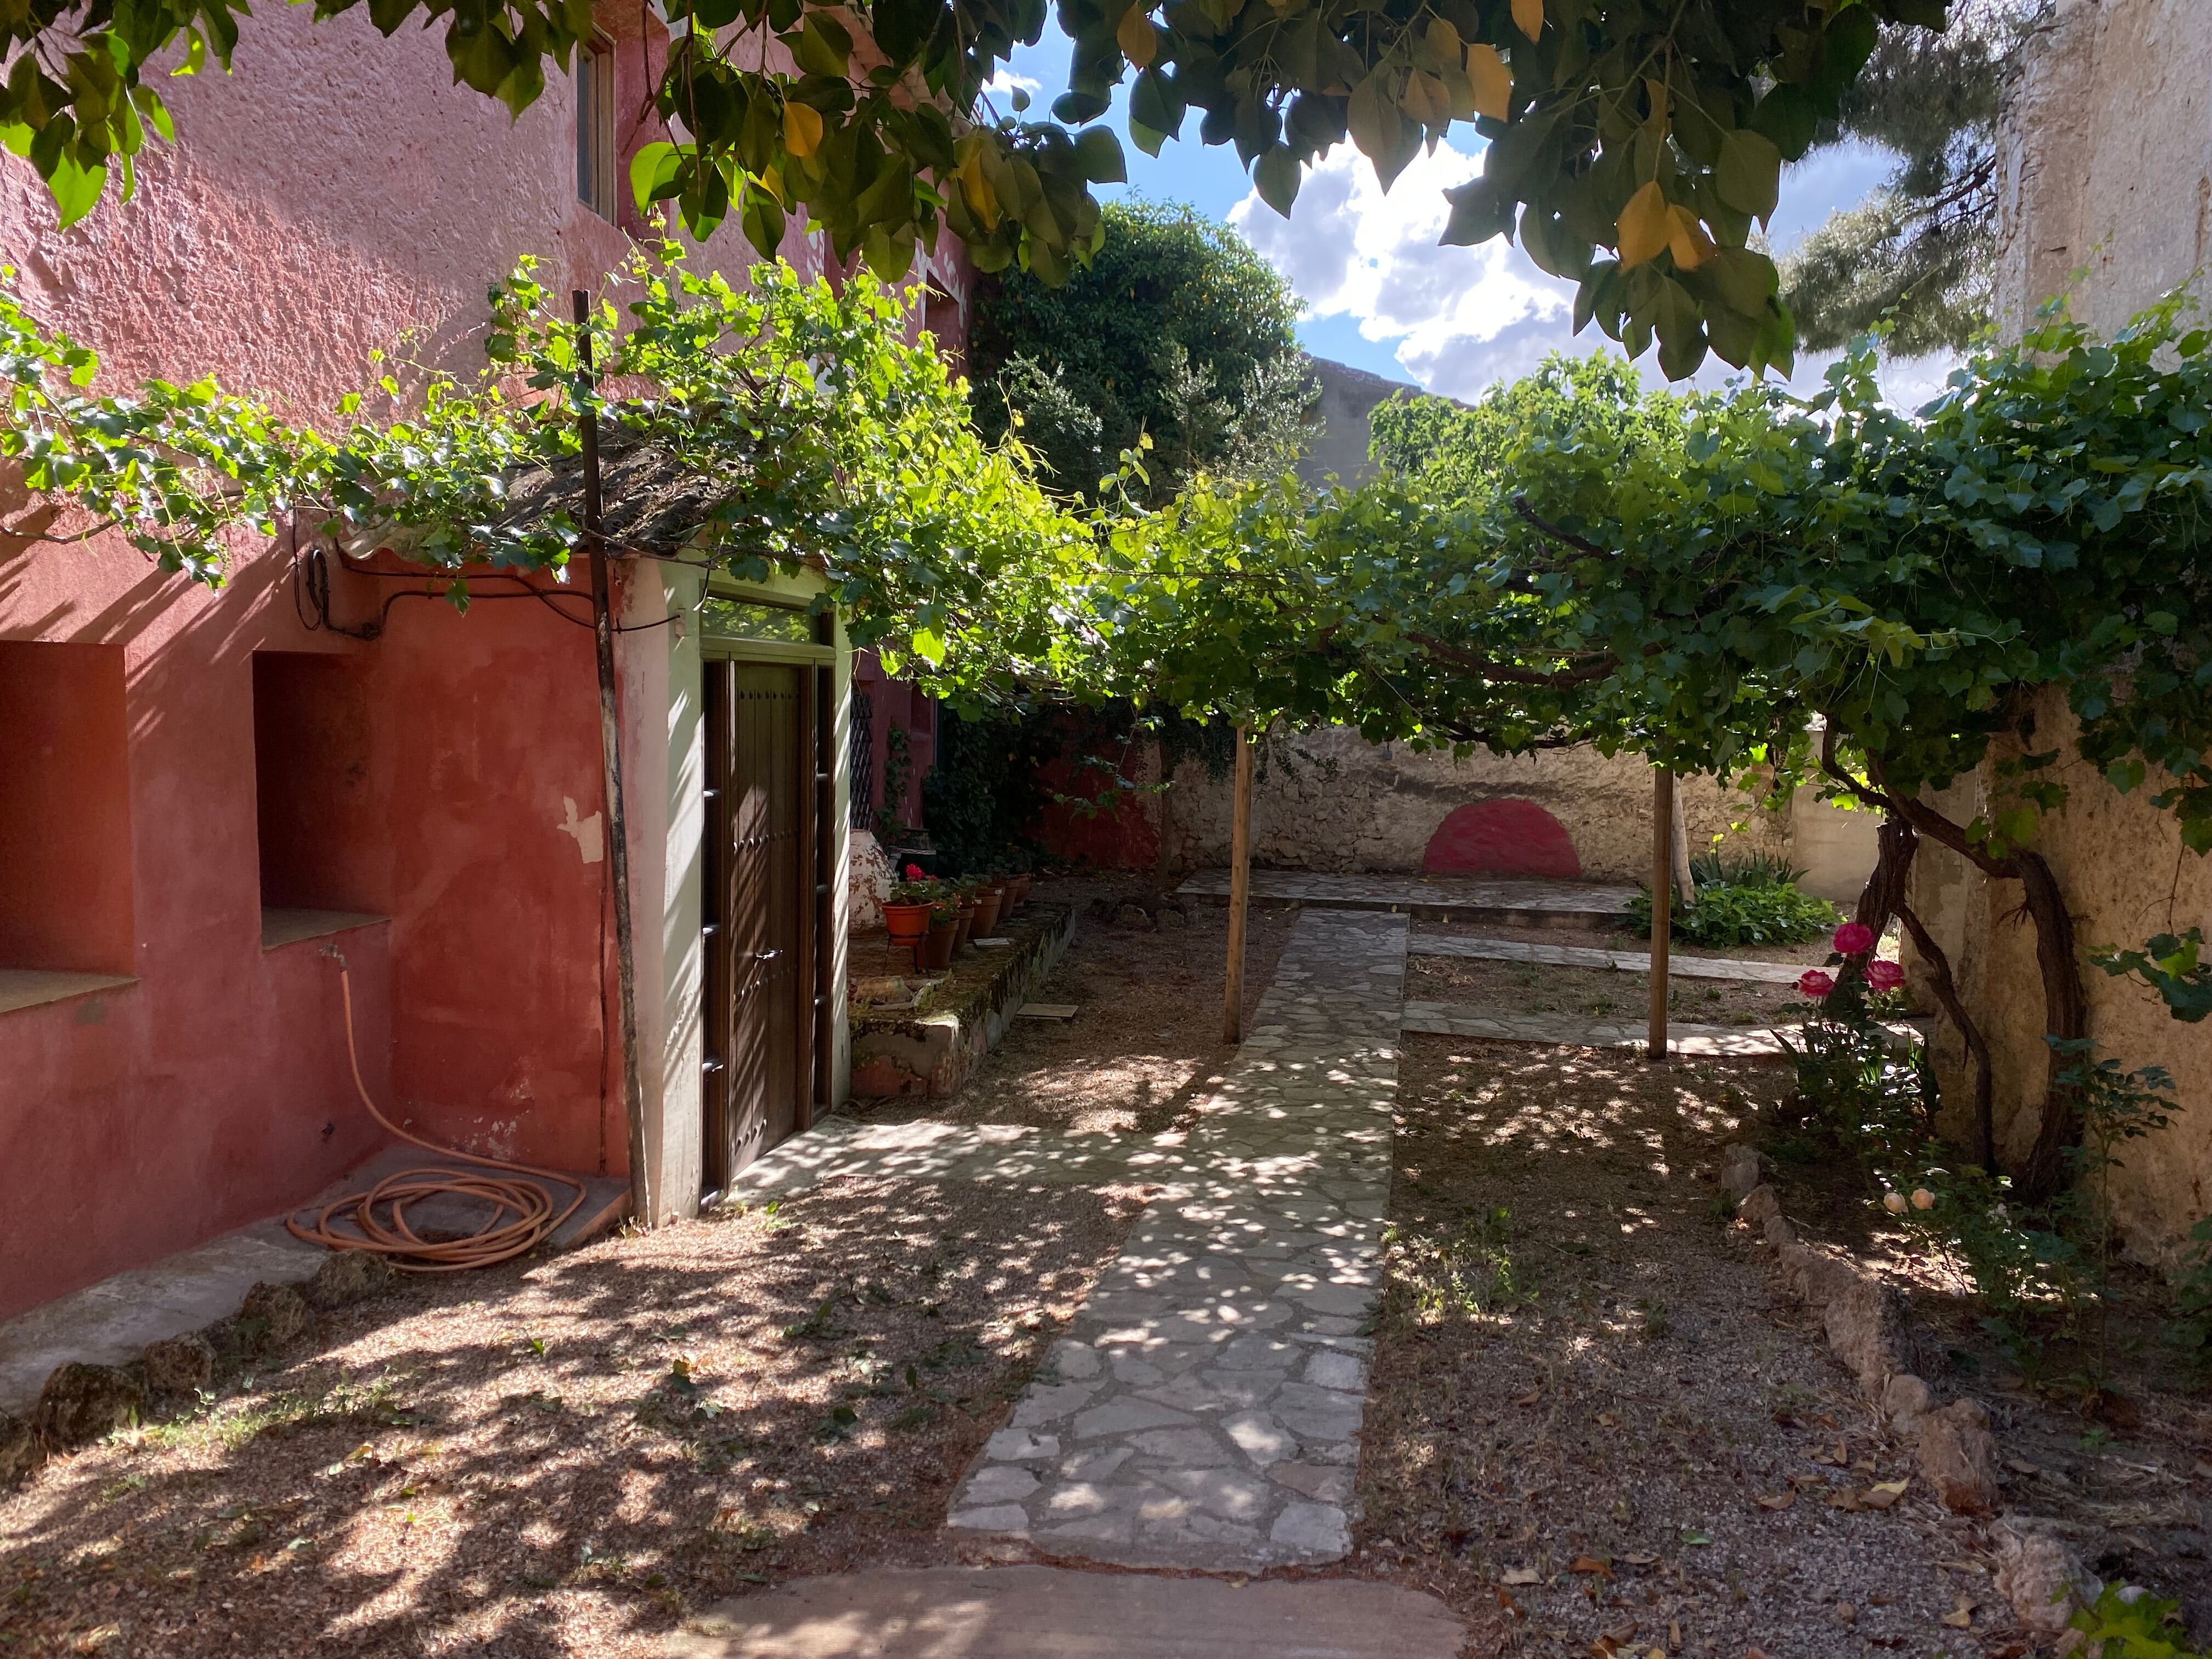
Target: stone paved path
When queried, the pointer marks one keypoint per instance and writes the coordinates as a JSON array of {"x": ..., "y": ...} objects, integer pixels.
[
  {"x": 1584, "y": 956},
  {"x": 1464, "y": 898},
  {"x": 1203, "y": 1409}
]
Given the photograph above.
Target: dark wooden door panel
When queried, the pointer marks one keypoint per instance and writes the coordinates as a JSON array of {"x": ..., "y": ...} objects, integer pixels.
[{"x": 766, "y": 914}]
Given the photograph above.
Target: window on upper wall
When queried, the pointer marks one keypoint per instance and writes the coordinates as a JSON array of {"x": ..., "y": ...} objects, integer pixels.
[{"x": 595, "y": 127}]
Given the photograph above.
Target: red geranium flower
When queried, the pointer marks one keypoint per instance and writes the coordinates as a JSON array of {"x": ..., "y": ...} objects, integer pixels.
[
  {"x": 1853, "y": 938},
  {"x": 1814, "y": 983},
  {"x": 915, "y": 872}
]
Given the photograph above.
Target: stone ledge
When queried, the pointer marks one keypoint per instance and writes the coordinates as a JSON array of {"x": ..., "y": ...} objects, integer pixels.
[{"x": 932, "y": 1052}]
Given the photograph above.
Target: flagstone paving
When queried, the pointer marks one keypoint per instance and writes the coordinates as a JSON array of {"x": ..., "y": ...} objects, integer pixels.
[{"x": 1204, "y": 1408}]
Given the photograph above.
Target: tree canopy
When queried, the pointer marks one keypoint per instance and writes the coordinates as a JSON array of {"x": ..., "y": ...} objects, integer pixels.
[
  {"x": 1457, "y": 452},
  {"x": 1919, "y": 251},
  {"x": 1177, "y": 331},
  {"x": 1633, "y": 144}
]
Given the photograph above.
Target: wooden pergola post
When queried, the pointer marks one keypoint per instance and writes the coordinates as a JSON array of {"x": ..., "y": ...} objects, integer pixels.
[
  {"x": 1663, "y": 920},
  {"x": 1240, "y": 890}
]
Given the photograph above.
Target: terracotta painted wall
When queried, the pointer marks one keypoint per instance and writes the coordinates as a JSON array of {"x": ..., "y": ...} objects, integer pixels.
[{"x": 337, "y": 195}]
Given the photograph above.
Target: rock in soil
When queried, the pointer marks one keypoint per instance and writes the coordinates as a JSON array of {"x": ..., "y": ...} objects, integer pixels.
[
  {"x": 19, "y": 1449},
  {"x": 272, "y": 1316},
  {"x": 2042, "y": 1578},
  {"x": 349, "y": 1276},
  {"x": 1959, "y": 1457},
  {"x": 81, "y": 1403},
  {"x": 179, "y": 1365}
]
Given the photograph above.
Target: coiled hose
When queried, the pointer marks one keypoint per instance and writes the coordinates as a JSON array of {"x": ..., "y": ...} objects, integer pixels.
[{"x": 380, "y": 1214}]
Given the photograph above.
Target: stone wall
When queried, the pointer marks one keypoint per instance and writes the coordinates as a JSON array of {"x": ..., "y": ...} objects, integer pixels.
[
  {"x": 1331, "y": 800},
  {"x": 2106, "y": 189}
]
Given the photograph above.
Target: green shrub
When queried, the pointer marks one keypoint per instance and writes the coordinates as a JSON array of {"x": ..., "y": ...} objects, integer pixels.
[
  {"x": 1724, "y": 914},
  {"x": 1743, "y": 869}
]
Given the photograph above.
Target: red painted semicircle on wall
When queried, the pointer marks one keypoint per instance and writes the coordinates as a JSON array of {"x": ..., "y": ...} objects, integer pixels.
[{"x": 1504, "y": 837}]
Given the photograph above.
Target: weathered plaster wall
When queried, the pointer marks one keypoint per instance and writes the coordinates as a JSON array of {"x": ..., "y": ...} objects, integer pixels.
[
  {"x": 2106, "y": 161},
  {"x": 1331, "y": 800},
  {"x": 337, "y": 195}
]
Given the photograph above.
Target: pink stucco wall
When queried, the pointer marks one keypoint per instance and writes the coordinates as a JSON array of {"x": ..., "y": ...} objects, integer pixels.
[{"x": 336, "y": 196}]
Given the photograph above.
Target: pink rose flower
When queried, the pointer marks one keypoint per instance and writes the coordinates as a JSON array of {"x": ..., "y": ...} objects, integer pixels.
[
  {"x": 1884, "y": 975},
  {"x": 1814, "y": 983},
  {"x": 1854, "y": 938}
]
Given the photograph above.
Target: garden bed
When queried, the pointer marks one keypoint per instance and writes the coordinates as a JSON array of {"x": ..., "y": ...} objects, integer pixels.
[
  {"x": 1596, "y": 1426},
  {"x": 1604, "y": 993},
  {"x": 570, "y": 1456},
  {"x": 1146, "y": 1038},
  {"x": 2104, "y": 1430}
]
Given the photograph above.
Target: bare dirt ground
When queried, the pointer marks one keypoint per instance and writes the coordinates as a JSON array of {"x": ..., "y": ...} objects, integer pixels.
[
  {"x": 1531, "y": 988},
  {"x": 2104, "y": 1429},
  {"x": 567, "y": 1457},
  {"x": 1594, "y": 1427},
  {"x": 1145, "y": 1039}
]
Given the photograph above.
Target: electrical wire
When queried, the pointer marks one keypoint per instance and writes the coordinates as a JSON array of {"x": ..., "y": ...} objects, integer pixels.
[{"x": 380, "y": 1214}]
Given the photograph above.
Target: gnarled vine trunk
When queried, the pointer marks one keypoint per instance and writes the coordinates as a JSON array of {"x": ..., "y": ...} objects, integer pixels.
[{"x": 2065, "y": 999}]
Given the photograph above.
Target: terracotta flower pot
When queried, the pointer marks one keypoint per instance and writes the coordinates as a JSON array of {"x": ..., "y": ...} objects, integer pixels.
[
  {"x": 1020, "y": 885},
  {"x": 936, "y": 947},
  {"x": 906, "y": 922},
  {"x": 988, "y": 905},
  {"x": 967, "y": 923}
]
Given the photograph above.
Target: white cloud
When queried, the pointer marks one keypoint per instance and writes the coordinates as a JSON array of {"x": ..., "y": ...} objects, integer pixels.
[
  {"x": 1466, "y": 318},
  {"x": 1007, "y": 80},
  {"x": 1462, "y": 317}
]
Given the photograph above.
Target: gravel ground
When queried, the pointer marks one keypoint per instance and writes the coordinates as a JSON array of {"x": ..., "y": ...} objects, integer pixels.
[
  {"x": 1595, "y": 1425},
  {"x": 1531, "y": 988},
  {"x": 1147, "y": 1034},
  {"x": 569, "y": 1457}
]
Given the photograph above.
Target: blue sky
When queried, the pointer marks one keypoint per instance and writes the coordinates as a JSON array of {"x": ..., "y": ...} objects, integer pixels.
[{"x": 1381, "y": 295}]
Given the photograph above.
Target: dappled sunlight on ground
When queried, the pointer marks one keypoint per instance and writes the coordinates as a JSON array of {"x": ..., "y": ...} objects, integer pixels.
[
  {"x": 1592, "y": 1426},
  {"x": 564, "y": 1458}
]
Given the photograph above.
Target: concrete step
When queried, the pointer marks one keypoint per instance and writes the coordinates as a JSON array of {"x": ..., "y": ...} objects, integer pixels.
[
  {"x": 1054, "y": 1613},
  {"x": 1583, "y": 956}
]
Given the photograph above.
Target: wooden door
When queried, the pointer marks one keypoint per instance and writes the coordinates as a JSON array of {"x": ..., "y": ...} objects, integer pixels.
[{"x": 759, "y": 920}]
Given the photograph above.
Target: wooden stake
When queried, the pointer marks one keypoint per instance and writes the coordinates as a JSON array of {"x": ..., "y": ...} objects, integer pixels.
[
  {"x": 603, "y": 631},
  {"x": 1663, "y": 920},
  {"x": 1240, "y": 888}
]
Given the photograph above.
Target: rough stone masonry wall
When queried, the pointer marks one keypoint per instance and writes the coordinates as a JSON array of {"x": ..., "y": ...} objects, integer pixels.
[
  {"x": 1331, "y": 800},
  {"x": 2106, "y": 159}
]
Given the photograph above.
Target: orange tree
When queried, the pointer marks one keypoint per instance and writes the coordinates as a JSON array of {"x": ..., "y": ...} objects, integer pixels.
[{"x": 1632, "y": 144}]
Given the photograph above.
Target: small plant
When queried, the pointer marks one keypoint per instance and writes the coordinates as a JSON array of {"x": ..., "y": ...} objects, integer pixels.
[
  {"x": 2191, "y": 1328},
  {"x": 1724, "y": 915},
  {"x": 1711, "y": 869},
  {"x": 2122, "y": 1626}
]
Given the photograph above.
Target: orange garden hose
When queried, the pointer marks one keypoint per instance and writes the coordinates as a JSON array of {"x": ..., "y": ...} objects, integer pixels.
[{"x": 380, "y": 1214}]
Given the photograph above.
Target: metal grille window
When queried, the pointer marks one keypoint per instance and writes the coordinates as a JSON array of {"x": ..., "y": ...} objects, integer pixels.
[{"x": 864, "y": 759}]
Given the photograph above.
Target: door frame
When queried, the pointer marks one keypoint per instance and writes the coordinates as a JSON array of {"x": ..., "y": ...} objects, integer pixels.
[{"x": 818, "y": 662}]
